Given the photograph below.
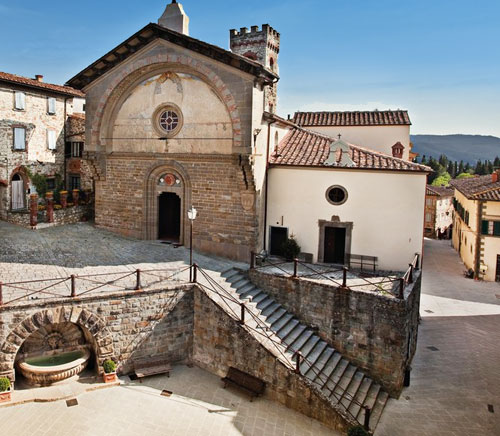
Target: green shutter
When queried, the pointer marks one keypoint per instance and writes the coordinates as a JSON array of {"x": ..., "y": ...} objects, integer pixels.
[
  {"x": 484, "y": 227},
  {"x": 496, "y": 228}
]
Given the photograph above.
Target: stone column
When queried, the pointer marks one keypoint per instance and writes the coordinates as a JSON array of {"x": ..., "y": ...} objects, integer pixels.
[
  {"x": 33, "y": 210},
  {"x": 76, "y": 193},
  {"x": 64, "y": 199},
  {"x": 49, "y": 199}
]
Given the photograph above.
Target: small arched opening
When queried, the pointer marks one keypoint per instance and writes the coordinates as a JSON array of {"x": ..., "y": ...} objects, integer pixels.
[{"x": 17, "y": 192}]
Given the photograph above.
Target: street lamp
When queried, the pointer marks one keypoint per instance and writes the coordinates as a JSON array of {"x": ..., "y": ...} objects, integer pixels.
[{"x": 192, "y": 216}]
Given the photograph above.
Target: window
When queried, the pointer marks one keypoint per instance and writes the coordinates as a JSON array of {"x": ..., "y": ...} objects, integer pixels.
[
  {"x": 429, "y": 201},
  {"x": 51, "y": 184},
  {"x": 19, "y": 138},
  {"x": 51, "y": 103},
  {"x": 20, "y": 101},
  {"x": 74, "y": 182},
  {"x": 51, "y": 139},
  {"x": 168, "y": 120},
  {"x": 428, "y": 217},
  {"x": 76, "y": 149},
  {"x": 496, "y": 228},
  {"x": 336, "y": 195}
]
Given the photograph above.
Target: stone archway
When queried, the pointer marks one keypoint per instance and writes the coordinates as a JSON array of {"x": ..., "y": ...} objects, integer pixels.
[
  {"x": 82, "y": 317},
  {"x": 153, "y": 190}
]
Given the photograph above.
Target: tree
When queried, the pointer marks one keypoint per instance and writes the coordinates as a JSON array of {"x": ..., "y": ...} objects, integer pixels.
[
  {"x": 464, "y": 176},
  {"x": 461, "y": 167},
  {"x": 442, "y": 180},
  {"x": 424, "y": 160},
  {"x": 496, "y": 162}
]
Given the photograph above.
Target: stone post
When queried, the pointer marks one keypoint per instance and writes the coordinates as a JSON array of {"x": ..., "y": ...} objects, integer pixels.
[
  {"x": 64, "y": 199},
  {"x": 33, "y": 210},
  {"x": 49, "y": 198},
  {"x": 76, "y": 193}
]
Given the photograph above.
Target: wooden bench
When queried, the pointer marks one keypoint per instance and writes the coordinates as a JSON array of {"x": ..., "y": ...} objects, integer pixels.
[
  {"x": 246, "y": 382},
  {"x": 145, "y": 368}
]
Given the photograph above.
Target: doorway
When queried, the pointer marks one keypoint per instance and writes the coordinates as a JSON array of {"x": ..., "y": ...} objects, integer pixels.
[
  {"x": 497, "y": 273},
  {"x": 334, "y": 245},
  {"x": 169, "y": 217},
  {"x": 17, "y": 192},
  {"x": 278, "y": 236}
]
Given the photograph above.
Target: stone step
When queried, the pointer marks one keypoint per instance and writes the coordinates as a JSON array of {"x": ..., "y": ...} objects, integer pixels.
[
  {"x": 293, "y": 335},
  {"x": 240, "y": 282},
  {"x": 276, "y": 316},
  {"x": 370, "y": 399},
  {"x": 288, "y": 327},
  {"x": 281, "y": 322},
  {"x": 335, "y": 376},
  {"x": 257, "y": 298},
  {"x": 352, "y": 390},
  {"x": 244, "y": 289},
  {"x": 343, "y": 383},
  {"x": 321, "y": 362},
  {"x": 378, "y": 408},
  {"x": 308, "y": 347},
  {"x": 268, "y": 301},
  {"x": 250, "y": 293},
  {"x": 360, "y": 397},
  {"x": 229, "y": 273},
  {"x": 270, "y": 310},
  {"x": 300, "y": 341}
]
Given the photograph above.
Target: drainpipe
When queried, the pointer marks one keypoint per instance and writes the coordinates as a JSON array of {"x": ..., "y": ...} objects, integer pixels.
[
  {"x": 65, "y": 139},
  {"x": 269, "y": 123},
  {"x": 477, "y": 257}
]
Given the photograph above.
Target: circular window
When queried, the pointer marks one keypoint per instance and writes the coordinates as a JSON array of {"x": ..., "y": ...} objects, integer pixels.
[
  {"x": 336, "y": 195},
  {"x": 168, "y": 120}
]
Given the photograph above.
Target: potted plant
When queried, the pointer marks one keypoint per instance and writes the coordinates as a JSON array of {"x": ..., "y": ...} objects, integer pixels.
[
  {"x": 109, "y": 367},
  {"x": 5, "y": 390},
  {"x": 291, "y": 248}
]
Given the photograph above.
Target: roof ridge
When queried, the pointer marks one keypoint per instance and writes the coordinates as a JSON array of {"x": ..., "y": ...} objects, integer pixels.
[{"x": 34, "y": 83}]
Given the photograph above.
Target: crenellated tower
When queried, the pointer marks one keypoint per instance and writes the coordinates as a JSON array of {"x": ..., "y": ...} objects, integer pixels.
[{"x": 263, "y": 46}]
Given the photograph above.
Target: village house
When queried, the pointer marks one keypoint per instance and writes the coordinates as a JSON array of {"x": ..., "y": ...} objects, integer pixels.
[
  {"x": 476, "y": 229},
  {"x": 35, "y": 125},
  {"x": 438, "y": 212}
]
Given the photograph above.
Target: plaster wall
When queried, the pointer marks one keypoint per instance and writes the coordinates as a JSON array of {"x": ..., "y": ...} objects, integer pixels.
[
  {"x": 386, "y": 209},
  {"x": 467, "y": 234},
  {"x": 379, "y": 138}
]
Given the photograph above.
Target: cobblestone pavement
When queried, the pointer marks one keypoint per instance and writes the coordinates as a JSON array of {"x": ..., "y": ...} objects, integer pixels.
[
  {"x": 82, "y": 249},
  {"x": 456, "y": 368},
  {"x": 199, "y": 406}
]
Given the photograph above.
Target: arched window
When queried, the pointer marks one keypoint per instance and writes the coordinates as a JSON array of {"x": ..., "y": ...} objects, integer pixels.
[{"x": 271, "y": 63}]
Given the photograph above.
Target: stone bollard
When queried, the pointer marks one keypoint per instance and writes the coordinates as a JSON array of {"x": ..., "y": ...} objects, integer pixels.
[
  {"x": 49, "y": 198},
  {"x": 64, "y": 199},
  {"x": 33, "y": 210},
  {"x": 76, "y": 193}
]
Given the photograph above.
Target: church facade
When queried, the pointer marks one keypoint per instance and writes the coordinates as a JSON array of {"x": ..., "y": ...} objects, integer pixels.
[{"x": 172, "y": 122}]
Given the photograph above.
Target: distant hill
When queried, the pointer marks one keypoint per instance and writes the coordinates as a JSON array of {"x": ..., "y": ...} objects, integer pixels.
[{"x": 469, "y": 148}]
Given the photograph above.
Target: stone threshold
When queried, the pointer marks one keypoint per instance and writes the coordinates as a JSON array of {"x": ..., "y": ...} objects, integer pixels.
[{"x": 58, "y": 392}]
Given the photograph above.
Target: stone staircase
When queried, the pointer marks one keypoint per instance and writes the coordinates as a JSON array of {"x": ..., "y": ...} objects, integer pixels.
[{"x": 343, "y": 383}]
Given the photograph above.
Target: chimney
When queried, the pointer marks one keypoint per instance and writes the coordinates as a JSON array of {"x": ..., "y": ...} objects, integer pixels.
[
  {"x": 39, "y": 78},
  {"x": 495, "y": 175},
  {"x": 174, "y": 18},
  {"x": 397, "y": 150}
]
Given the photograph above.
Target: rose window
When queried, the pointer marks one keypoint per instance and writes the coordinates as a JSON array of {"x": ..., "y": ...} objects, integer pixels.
[{"x": 169, "y": 120}]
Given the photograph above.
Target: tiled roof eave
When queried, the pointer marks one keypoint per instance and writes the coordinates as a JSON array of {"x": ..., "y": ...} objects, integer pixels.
[
  {"x": 354, "y": 168},
  {"x": 45, "y": 89}
]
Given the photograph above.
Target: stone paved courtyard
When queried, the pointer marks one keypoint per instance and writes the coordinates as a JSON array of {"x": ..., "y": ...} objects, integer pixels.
[
  {"x": 199, "y": 406},
  {"x": 456, "y": 369}
]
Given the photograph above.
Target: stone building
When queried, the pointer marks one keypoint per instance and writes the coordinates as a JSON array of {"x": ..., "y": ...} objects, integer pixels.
[
  {"x": 173, "y": 122},
  {"x": 438, "y": 212},
  {"x": 33, "y": 125},
  {"x": 476, "y": 228}
]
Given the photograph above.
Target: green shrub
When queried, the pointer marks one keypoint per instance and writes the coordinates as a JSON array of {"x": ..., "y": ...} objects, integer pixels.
[
  {"x": 109, "y": 366},
  {"x": 357, "y": 431},
  {"x": 291, "y": 248},
  {"x": 4, "y": 384}
]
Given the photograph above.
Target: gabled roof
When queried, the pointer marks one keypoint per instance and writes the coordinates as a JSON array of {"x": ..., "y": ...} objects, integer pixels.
[
  {"x": 440, "y": 191},
  {"x": 152, "y": 32},
  {"x": 302, "y": 147},
  {"x": 39, "y": 86},
  {"x": 365, "y": 118},
  {"x": 478, "y": 188}
]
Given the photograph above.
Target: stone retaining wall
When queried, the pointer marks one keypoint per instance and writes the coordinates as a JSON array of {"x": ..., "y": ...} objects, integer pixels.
[
  {"x": 377, "y": 333},
  {"x": 69, "y": 215}
]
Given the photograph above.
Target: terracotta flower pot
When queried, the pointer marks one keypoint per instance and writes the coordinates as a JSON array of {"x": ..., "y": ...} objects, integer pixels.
[
  {"x": 109, "y": 377},
  {"x": 5, "y": 396}
]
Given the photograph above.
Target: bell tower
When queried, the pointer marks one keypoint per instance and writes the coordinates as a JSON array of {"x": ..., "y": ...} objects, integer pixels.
[
  {"x": 263, "y": 46},
  {"x": 174, "y": 18}
]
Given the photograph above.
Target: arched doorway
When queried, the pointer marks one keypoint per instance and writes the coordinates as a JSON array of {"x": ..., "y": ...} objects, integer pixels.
[
  {"x": 17, "y": 192},
  {"x": 169, "y": 217}
]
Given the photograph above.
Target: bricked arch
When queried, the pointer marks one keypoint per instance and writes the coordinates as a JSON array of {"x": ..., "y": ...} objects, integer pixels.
[
  {"x": 142, "y": 69},
  {"x": 85, "y": 319},
  {"x": 153, "y": 173}
]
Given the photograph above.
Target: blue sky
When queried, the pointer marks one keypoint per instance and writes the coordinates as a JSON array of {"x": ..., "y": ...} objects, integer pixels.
[{"x": 439, "y": 59}]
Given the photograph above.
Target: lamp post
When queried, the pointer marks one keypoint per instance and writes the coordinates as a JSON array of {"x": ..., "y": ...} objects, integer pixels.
[{"x": 192, "y": 216}]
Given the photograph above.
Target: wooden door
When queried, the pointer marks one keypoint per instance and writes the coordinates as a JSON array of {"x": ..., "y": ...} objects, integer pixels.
[
  {"x": 17, "y": 194},
  {"x": 334, "y": 245}
]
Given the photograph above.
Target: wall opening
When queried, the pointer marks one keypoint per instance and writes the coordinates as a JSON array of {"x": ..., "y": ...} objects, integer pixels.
[{"x": 169, "y": 217}]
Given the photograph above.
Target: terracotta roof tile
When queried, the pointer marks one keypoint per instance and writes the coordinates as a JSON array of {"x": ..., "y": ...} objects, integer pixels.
[
  {"x": 478, "y": 188},
  {"x": 301, "y": 147},
  {"x": 440, "y": 191},
  {"x": 366, "y": 118},
  {"x": 33, "y": 83}
]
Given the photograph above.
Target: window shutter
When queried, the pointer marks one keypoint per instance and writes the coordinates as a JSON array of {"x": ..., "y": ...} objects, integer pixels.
[
  {"x": 20, "y": 100},
  {"x": 484, "y": 227},
  {"x": 81, "y": 149},
  {"x": 52, "y": 105},
  {"x": 51, "y": 139},
  {"x": 19, "y": 138},
  {"x": 496, "y": 228},
  {"x": 67, "y": 149}
]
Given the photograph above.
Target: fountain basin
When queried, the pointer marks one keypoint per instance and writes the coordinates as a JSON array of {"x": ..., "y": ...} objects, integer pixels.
[{"x": 45, "y": 370}]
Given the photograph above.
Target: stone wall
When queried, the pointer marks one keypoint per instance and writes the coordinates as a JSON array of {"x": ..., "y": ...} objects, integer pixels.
[
  {"x": 69, "y": 215},
  {"x": 125, "y": 326},
  {"x": 377, "y": 333},
  {"x": 221, "y": 342}
]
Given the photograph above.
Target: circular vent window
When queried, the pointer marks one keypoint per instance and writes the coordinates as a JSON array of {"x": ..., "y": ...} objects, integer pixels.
[
  {"x": 168, "y": 120},
  {"x": 336, "y": 195}
]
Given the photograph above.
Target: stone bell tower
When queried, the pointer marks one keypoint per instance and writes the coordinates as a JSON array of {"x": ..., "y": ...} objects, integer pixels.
[
  {"x": 262, "y": 46},
  {"x": 174, "y": 18}
]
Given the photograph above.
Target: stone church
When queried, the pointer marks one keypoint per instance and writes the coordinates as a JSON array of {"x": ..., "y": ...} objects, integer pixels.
[{"x": 173, "y": 122}]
